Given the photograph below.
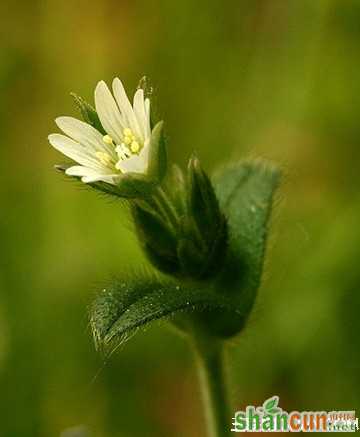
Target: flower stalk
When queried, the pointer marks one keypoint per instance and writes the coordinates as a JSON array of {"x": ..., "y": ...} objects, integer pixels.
[{"x": 212, "y": 378}]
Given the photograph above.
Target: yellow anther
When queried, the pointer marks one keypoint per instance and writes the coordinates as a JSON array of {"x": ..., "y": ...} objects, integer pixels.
[
  {"x": 128, "y": 132},
  {"x": 128, "y": 140},
  {"x": 104, "y": 158},
  {"x": 135, "y": 147},
  {"x": 107, "y": 139}
]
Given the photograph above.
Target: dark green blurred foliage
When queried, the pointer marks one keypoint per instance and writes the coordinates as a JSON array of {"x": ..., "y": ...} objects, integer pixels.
[{"x": 238, "y": 79}]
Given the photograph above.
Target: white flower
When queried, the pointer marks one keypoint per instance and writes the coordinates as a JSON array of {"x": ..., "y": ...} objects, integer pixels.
[{"x": 124, "y": 148}]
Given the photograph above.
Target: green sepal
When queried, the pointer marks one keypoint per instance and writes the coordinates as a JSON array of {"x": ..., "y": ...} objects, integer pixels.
[
  {"x": 200, "y": 260},
  {"x": 216, "y": 250},
  {"x": 157, "y": 165},
  {"x": 191, "y": 257},
  {"x": 203, "y": 232},
  {"x": 156, "y": 237},
  {"x": 202, "y": 202},
  {"x": 135, "y": 185},
  {"x": 177, "y": 188},
  {"x": 130, "y": 185},
  {"x": 88, "y": 113}
]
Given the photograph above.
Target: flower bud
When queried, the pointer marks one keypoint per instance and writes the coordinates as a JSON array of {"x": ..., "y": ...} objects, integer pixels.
[
  {"x": 178, "y": 188},
  {"x": 182, "y": 229},
  {"x": 204, "y": 230},
  {"x": 156, "y": 237}
]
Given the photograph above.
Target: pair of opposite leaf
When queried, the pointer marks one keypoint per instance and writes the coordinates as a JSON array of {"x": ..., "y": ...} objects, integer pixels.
[{"x": 214, "y": 252}]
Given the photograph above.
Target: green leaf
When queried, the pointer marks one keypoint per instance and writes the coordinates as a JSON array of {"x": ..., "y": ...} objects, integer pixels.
[
  {"x": 127, "y": 305},
  {"x": 245, "y": 192}
]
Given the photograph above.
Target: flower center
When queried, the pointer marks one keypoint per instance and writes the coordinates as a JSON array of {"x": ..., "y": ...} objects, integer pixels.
[
  {"x": 130, "y": 140},
  {"x": 129, "y": 146}
]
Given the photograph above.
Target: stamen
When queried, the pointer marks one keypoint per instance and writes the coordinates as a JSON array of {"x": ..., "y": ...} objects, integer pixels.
[
  {"x": 108, "y": 140},
  {"x": 104, "y": 158},
  {"x": 128, "y": 132},
  {"x": 135, "y": 147},
  {"x": 128, "y": 140}
]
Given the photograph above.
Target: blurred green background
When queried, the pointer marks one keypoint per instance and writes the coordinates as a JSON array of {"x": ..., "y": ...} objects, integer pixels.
[{"x": 234, "y": 79}]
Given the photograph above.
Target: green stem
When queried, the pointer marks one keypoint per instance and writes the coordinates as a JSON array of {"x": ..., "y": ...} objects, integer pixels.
[{"x": 212, "y": 382}]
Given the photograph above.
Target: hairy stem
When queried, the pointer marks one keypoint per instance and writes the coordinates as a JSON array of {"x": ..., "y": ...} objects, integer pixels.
[{"x": 210, "y": 360}]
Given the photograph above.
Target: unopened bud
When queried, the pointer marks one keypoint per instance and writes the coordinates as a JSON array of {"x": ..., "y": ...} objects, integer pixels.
[
  {"x": 157, "y": 238},
  {"x": 204, "y": 230}
]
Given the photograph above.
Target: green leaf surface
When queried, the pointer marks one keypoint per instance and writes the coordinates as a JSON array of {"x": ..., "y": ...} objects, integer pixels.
[
  {"x": 130, "y": 304},
  {"x": 245, "y": 192}
]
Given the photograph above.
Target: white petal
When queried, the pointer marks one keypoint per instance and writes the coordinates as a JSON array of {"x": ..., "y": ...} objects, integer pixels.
[
  {"x": 79, "y": 170},
  {"x": 110, "y": 179},
  {"x": 134, "y": 165},
  {"x": 108, "y": 112},
  {"x": 125, "y": 107},
  {"x": 90, "y": 175},
  {"x": 147, "y": 112},
  {"x": 73, "y": 150},
  {"x": 139, "y": 110},
  {"x": 83, "y": 133},
  {"x": 144, "y": 155}
]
